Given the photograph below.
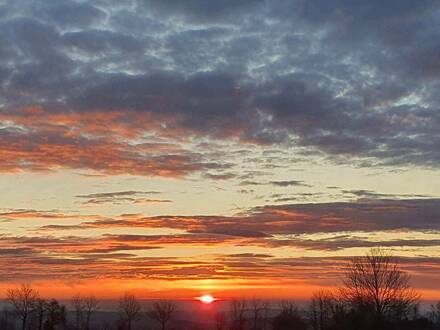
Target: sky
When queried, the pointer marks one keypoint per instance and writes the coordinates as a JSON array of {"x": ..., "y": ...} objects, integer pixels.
[{"x": 237, "y": 148}]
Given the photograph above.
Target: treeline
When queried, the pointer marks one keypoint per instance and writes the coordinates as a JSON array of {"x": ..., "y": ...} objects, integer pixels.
[
  {"x": 375, "y": 295},
  {"x": 35, "y": 313}
]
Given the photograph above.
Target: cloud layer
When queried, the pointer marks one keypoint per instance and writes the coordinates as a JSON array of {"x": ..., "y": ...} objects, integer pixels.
[{"x": 347, "y": 84}]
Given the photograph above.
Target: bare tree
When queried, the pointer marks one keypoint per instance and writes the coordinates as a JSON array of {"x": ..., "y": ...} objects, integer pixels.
[
  {"x": 91, "y": 305},
  {"x": 39, "y": 311},
  {"x": 130, "y": 308},
  {"x": 288, "y": 307},
  {"x": 256, "y": 308},
  {"x": 56, "y": 315},
  {"x": 162, "y": 312},
  {"x": 376, "y": 283},
  {"x": 6, "y": 322},
  {"x": 220, "y": 321},
  {"x": 23, "y": 300},
  {"x": 266, "y": 310},
  {"x": 434, "y": 314},
  {"x": 322, "y": 309},
  {"x": 238, "y": 314},
  {"x": 289, "y": 317},
  {"x": 79, "y": 308}
]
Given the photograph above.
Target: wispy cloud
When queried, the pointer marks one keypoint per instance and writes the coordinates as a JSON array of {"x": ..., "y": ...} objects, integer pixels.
[{"x": 122, "y": 197}]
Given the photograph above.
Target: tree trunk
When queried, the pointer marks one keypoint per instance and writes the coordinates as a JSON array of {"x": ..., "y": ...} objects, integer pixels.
[
  {"x": 78, "y": 321},
  {"x": 129, "y": 324},
  {"x": 23, "y": 325},
  {"x": 40, "y": 322}
]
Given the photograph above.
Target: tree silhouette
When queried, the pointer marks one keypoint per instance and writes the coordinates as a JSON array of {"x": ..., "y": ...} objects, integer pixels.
[
  {"x": 78, "y": 307},
  {"x": 23, "y": 300},
  {"x": 375, "y": 283},
  {"x": 266, "y": 310},
  {"x": 91, "y": 305},
  {"x": 39, "y": 311},
  {"x": 289, "y": 318},
  {"x": 220, "y": 321},
  {"x": 6, "y": 320},
  {"x": 56, "y": 314},
  {"x": 323, "y": 307},
  {"x": 257, "y": 309},
  {"x": 238, "y": 314},
  {"x": 434, "y": 314},
  {"x": 162, "y": 312},
  {"x": 129, "y": 308},
  {"x": 84, "y": 308}
]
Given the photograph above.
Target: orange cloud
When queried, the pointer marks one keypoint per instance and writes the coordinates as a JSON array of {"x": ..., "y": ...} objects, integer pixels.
[{"x": 108, "y": 142}]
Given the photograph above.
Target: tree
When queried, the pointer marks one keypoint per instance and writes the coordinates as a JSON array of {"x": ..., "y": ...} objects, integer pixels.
[
  {"x": 238, "y": 314},
  {"x": 220, "y": 321},
  {"x": 39, "y": 311},
  {"x": 289, "y": 318},
  {"x": 78, "y": 307},
  {"x": 256, "y": 308},
  {"x": 375, "y": 283},
  {"x": 5, "y": 320},
  {"x": 434, "y": 314},
  {"x": 56, "y": 314},
  {"x": 162, "y": 312},
  {"x": 23, "y": 300},
  {"x": 322, "y": 309},
  {"x": 130, "y": 308},
  {"x": 91, "y": 305},
  {"x": 266, "y": 310}
]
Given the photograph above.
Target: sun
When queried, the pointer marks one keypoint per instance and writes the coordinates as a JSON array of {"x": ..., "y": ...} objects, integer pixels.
[{"x": 206, "y": 299}]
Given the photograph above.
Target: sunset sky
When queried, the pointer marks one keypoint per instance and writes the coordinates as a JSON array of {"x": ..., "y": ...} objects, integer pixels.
[{"x": 234, "y": 148}]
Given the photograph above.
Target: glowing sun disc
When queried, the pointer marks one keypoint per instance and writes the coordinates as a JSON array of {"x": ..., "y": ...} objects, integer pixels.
[{"x": 206, "y": 299}]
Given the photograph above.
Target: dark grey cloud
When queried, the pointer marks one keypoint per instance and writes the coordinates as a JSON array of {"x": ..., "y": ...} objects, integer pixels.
[
  {"x": 119, "y": 194},
  {"x": 102, "y": 42},
  {"x": 204, "y": 11},
  {"x": 341, "y": 243},
  {"x": 279, "y": 183},
  {"x": 362, "y": 193},
  {"x": 235, "y": 232},
  {"x": 291, "y": 219},
  {"x": 355, "y": 83},
  {"x": 289, "y": 183},
  {"x": 70, "y": 14},
  {"x": 122, "y": 197},
  {"x": 219, "y": 176}
]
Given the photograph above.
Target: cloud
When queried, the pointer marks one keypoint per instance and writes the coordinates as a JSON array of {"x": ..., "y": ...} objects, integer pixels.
[
  {"x": 115, "y": 257},
  {"x": 202, "y": 10},
  {"x": 288, "y": 183},
  {"x": 121, "y": 197},
  {"x": 342, "y": 243},
  {"x": 360, "y": 215},
  {"x": 282, "y": 183},
  {"x": 271, "y": 78},
  {"x": 17, "y": 214},
  {"x": 70, "y": 14},
  {"x": 75, "y": 141},
  {"x": 220, "y": 176},
  {"x": 362, "y": 193}
]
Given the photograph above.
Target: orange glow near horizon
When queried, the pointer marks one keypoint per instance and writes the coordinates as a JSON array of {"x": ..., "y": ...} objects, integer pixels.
[{"x": 183, "y": 290}]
